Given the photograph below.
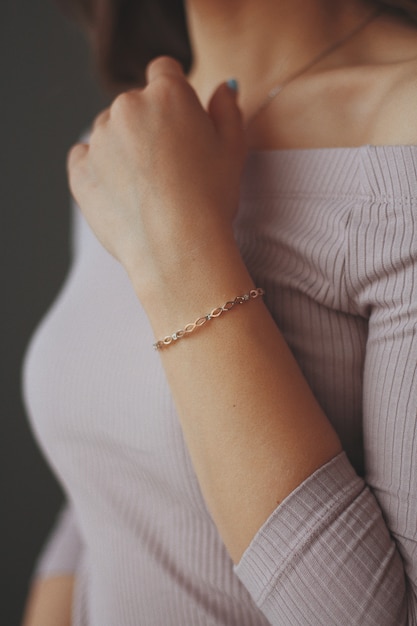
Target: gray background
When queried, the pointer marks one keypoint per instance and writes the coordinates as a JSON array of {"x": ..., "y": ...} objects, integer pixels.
[{"x": 48, "y": 96}]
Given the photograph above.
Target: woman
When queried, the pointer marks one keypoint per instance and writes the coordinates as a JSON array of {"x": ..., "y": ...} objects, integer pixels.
[{"x": 280, "y": 490}]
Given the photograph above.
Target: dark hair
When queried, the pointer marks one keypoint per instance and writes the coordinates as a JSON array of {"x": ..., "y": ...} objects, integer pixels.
[{"x": 127, "y": 34}]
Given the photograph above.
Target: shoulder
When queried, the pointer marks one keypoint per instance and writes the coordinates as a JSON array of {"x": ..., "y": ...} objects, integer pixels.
[
  {"x": 394, "y": 120},
  {"x": 369, "y": 96},
  {"x": 393, "y": 79}
]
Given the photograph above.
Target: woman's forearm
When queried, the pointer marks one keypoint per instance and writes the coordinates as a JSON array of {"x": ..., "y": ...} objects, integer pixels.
[
  {"x": 49, "y": 602},
  {"x": 252, "y": 425}
]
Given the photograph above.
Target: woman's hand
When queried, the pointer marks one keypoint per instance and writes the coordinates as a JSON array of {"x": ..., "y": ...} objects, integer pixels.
[{"x": 161, "y": 176}]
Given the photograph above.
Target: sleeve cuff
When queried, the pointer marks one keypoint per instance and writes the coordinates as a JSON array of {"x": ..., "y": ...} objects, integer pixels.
[{"x": 325, "y": 556}]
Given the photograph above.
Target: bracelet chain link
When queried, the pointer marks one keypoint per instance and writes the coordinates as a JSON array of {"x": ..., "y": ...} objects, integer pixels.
[{"x": 201, "y": 321}]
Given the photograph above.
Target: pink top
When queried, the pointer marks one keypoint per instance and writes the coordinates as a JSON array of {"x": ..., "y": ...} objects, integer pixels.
[{"x": 331, "y": 235}]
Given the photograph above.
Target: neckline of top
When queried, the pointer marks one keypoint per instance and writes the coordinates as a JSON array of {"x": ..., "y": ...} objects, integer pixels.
[
  {"x": 373, "y": 171},
  {"x": 330, "y": 149}
]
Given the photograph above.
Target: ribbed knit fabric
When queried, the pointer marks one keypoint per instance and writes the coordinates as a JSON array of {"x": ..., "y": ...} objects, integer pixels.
[{"x": 331, "y": 235}]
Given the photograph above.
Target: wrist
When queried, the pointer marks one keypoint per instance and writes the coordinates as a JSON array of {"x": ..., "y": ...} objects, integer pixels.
[
  {"x": 192, "y": 283},
  {"x": 201, "y": 321}
]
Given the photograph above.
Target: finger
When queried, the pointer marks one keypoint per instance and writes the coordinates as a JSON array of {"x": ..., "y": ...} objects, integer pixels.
[
  {"x": 224, "y": 110},
  {"x": 76, "y": 166},
  {"x": 101, "y": 118},
  {"x": 163, "y": 66},
  {"x": 76, "y": 155}
]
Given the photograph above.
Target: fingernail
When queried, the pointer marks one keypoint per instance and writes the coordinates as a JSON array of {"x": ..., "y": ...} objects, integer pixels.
[{"x": 233, "y": 84}]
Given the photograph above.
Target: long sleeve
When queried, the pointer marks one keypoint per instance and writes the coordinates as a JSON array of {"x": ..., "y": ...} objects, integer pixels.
[
  {"x": 342, "y": 549},
  {"x": 335, "y": 248},
  {"x": 63, "y": 549},
  {"x": 325, "y": 557}
]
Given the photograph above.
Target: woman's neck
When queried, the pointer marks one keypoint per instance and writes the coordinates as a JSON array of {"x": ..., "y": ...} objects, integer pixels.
[{"x": 261, "y": 42}]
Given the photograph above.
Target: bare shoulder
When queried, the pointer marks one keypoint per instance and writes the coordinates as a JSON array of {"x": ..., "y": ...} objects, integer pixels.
[
  {"x": 395, "y": 113},
  {"x": 368, "y": 95},
  {"x": 395, "y": 118}
]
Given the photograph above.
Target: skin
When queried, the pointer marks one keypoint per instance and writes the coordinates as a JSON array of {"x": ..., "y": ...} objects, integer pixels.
[
  {"x": 49, "y": 603},
  {"x": 253, "y": 428}
]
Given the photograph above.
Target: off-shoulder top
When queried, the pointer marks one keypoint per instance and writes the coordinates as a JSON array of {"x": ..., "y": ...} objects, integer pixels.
[{"x": 331, "y": 235}]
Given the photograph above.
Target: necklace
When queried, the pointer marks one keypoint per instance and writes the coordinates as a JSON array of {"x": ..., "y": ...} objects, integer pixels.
[{"x": 315, "y": 61}]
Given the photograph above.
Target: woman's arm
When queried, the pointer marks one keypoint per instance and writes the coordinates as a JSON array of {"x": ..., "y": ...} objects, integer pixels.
[
  {"x": 252, "y": 425},
  {"x": 158, "y": 185},
  {"x": 49, "y": 602}
]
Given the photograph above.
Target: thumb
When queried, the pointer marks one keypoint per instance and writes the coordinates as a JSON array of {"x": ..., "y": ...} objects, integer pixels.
[{"x": 225, "y": 113}]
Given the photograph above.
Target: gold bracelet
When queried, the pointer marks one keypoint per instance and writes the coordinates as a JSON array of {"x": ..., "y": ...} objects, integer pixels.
[{"x": 190, "y": 328}]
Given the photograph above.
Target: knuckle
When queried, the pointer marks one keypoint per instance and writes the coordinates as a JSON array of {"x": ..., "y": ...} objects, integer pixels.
[
  {"x": 76, "y": 166},
  {"x": 101, "y": 118},
  {"x": 168, "y": 89},
  {"x": 123, "y": 104},
  {"x": 155, "y": 63},
  {"x": 163, "y": 62},
  {"x": 74, "y": 156},
  {"x": 166, "y": 84}
]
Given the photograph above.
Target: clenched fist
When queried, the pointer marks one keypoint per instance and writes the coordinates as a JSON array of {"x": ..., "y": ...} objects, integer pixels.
[{"x": 160, "y": 177}]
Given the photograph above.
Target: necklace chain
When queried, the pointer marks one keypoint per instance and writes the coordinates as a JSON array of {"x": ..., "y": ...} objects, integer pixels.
[{"x": 315, "y": 61}]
